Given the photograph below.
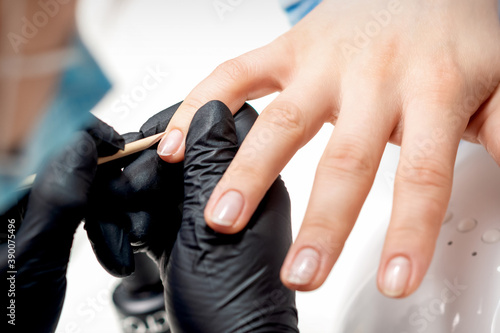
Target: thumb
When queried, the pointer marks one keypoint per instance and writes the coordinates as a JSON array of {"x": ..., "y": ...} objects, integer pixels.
[{"x": 107, "y": 140}]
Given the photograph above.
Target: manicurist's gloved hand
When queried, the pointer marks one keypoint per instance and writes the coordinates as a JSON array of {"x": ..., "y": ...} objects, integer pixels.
[
  {"x": 214, "y": 282},
  {"x": 227, "y": 283},
  {"x": 129, "y": 197},
  {"x": 55, "y": 207}
]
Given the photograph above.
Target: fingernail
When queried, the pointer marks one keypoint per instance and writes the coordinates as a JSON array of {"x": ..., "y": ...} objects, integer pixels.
[
  {"x": 396, "y": 277},
  {"x": 228, "y": 209},
  {"x": 304, "y": 267},
  {"x": 171, "y": 143}
]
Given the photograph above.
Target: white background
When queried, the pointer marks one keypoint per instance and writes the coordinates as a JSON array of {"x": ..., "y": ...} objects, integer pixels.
[{"x": 188, "y": 39}]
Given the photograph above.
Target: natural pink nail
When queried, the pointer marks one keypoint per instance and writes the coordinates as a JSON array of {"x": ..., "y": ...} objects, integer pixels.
[
  {"x": 228, "y": 209},
  {"x": 171, "y": 143},
  {"x": 396, "y": 277},
  {"x": 304, "y": 267}
]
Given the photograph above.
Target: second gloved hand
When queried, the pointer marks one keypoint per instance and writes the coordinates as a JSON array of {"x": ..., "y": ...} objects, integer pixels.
[{"x": 37, "y": 255}]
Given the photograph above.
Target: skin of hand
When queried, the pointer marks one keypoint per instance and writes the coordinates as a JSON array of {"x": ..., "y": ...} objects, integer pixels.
[{"x": 420, "y": 74}]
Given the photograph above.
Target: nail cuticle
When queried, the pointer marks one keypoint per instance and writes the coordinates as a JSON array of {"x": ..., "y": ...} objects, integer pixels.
[
  {"x": 304, "y": 267},
  {"x": 396, "y": 276},
  {"x": 171, "y": 143},
  {"x": 228, "y": 209}
]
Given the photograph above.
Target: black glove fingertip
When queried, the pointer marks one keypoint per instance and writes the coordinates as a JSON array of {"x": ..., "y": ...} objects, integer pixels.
[
  {"x": 108, "y": 141},
  {"x": 213, "y": 128},
  {"x": 158, "y": 123},
  {"x": 111, "y": 245},
  {"x": 244, "y": 119}
]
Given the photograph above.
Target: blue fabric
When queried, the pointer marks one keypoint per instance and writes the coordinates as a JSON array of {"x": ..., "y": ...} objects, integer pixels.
[
  {"x": 297, "y": 9},
  {"x": 82, "y": 86}
]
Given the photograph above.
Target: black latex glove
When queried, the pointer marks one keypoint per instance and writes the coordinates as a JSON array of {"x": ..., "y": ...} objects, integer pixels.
[
  {"x": 128, "y": 196},
  {"x": 227, "y": 283},
  {"x": 55, "y": 207},
  {"x": 214, "y": 282}
]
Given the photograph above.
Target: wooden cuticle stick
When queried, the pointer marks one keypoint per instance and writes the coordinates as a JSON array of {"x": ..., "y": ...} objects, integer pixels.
[{"x": 129, "y": 149}]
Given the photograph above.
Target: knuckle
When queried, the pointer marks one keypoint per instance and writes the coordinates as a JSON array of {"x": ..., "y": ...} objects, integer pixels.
[
  {"x": 408, "y": 231},
  {"x": 286, "y": 117},
  {"x": 440, "y": 79},
  {"x": 241, "y": 170},
  {"x": 424, "y": 172},
  {"x": 348, "y": 160},
  {"x": 327, "y": 237},
  {"x": 232, "y": 70},
  {"x": 187, "y": 110},
  {"x": 446, "y": 81},
  {"x": 287, "y": 44},
  {"x": 446, "y": 70},
  {"x": 383, "y": 61}
]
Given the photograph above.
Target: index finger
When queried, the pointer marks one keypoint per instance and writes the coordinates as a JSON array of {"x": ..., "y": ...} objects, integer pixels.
[{"x": 252, "y": 75}]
